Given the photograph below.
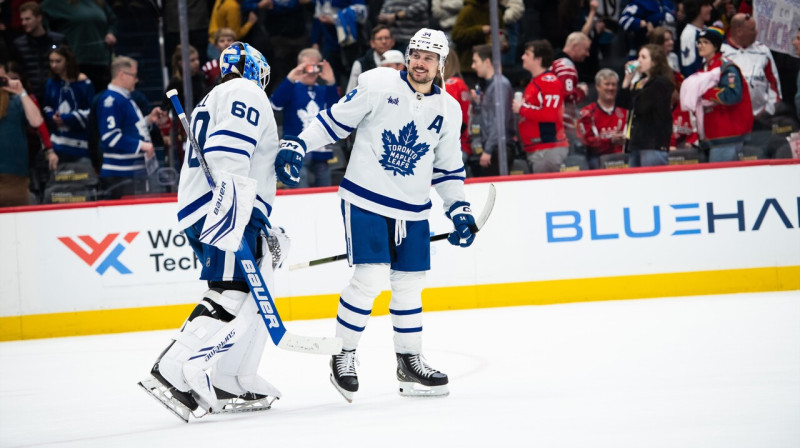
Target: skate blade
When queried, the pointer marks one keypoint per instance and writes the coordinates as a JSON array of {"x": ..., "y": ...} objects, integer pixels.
[
  {"x": 345, "y": 393},
  {"x": 411, "y": 389},
  {"x": 155, "y": 389},
  {"x": 238, "y": 405}
]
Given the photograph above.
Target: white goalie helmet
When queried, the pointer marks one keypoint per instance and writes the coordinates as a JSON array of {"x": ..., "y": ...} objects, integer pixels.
[{"x": 429, "y": 40}]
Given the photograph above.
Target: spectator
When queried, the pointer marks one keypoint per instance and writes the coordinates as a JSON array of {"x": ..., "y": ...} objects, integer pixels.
[
  {"x": 471, "y": 28},
  {"x": 68, "y": 98},
  {"x": 39, "y": 143},
  {"x": 324, "y": 36},
  {"x": 288, "y": 35},
  {"x": 90, "y": 27},
  {"x": 394, "y": 59},
  {"x": 650, "y": 116},
  {"x": 698, "y": 12},
  {"x": 601, "y": 127},
  {"x": 446, "y": 12},
  {"x": 457, "y": 88},
  {"x": 16, "y": 108},
  {"x": 641, "y": 16},
  {"x": 227, "y": 14},
  {"x": 31, "y": 48},
  {"x": 576, "y": 49},
  {"x": 199, "y": 89},
  {"x": 727, "y": 113},
  {"x": 380, "y": 41},
  {"x": 541, "y": 112},
  {"x": 662, "y": 35},
  {"x": 496, "y": 91},
  {"x": 404, "y": 17},
  {"x": 755, "y": 62},
  {"x": 197, "y": 21},
  {"x": 124, "y": 132},
  {"x": 796, "y": 44},
  {"x": 223, "y": 38},
  {"x": 301, "y": 97}
]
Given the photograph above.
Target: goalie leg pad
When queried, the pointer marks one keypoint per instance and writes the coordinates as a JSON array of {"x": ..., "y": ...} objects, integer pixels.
[
  {"x": 405, "y": 308},
  {"x": 355, "y": 303},
  {"x": 210, "y": 331}
]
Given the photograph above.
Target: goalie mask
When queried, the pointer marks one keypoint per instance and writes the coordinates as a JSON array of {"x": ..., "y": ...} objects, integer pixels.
[{"x": 245, "y": 61}]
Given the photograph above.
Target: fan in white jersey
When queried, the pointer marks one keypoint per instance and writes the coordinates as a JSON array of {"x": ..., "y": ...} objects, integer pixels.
[
  {"x": 236, "y": 129},
  {"x": 408, "y": 139}
]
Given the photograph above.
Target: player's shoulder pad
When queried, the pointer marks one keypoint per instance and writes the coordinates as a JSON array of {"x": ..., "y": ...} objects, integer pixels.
[{"x": 378, "y": 77}]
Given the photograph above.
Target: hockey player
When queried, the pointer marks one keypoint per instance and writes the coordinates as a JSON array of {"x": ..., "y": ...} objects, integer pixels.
[
  {"x": 407, "y": 140},
  {"x": 235, "y": 127}
]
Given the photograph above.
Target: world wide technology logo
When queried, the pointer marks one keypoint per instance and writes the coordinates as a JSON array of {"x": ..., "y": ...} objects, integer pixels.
[{"x": 90, "y": 251}]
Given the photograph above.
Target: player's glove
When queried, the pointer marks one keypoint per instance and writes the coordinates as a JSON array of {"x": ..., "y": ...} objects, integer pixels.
[
  {"x": 464, "y": 223},
  {"x": 290, "y": 160}
]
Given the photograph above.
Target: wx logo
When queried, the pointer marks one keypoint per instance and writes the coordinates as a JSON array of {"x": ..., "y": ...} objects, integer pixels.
[{"x": 97, "y": 248}]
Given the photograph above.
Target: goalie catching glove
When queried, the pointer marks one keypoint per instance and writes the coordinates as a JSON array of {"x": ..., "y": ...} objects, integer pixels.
[
  {"x": 464, "y": 224},
  {"x": 290, "y": 160}
]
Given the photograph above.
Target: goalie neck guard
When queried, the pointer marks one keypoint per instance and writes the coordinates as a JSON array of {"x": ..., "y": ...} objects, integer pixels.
[{"x": 246, "y": 61}]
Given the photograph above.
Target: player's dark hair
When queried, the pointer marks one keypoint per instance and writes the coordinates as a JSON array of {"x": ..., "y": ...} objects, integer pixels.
[{"x": 541, "y": 49}]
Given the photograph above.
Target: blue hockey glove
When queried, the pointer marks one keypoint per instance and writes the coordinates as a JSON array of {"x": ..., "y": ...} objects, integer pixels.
[
  {"x": 464, "y": 223},
  {"x": 290, "y": 160}
]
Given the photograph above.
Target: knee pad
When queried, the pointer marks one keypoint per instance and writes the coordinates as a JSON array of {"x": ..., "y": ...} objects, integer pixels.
[
  {"x": 406, "y": 289},
  {"x": 366, "y": 283}
]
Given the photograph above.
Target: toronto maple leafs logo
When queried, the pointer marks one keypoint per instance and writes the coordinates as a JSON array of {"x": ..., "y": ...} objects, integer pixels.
[
  {"x": 401, "y": 153},
  {"x": 394, "y": 101}
]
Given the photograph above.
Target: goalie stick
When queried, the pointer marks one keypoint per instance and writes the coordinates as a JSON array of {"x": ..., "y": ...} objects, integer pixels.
[
  {"x": 479, "y": 223},
  {"x": 281, "y": 337}
]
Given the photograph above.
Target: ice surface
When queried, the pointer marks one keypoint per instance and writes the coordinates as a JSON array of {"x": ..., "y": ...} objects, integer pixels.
[{"x": 705, "y": 372}]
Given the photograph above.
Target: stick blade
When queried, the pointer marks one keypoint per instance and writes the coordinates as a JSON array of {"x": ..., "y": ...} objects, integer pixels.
[{"x": 310, "y": 344}]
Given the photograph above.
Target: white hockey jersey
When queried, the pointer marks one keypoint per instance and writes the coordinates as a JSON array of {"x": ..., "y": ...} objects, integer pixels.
[
  {"x": 406, "y": 141},
  {"x": 235, "y": 127}
]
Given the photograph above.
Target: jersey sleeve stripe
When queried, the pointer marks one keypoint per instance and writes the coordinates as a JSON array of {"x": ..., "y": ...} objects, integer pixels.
[
  {"x": 446, "y": 178},
  {"x": 266, "y": 205},
  {"x": 250, "y": 140},
  {"x": 227, "y": 149},
  {"x": 328, "y": 128},
  {"x": 346, "y": 128},
  {"x": 381, "y": 199},
  {"x": 195, "y": 205},
  {"x": 441, "y": 171}
]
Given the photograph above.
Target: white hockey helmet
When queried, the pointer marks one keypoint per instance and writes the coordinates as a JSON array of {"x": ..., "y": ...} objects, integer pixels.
[
  {"x": 246, "y": 61},
  {"x": 429, "y": 40}
]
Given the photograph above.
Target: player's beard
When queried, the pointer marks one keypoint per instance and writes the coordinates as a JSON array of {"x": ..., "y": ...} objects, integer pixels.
[{"x": 427, "y": 77}]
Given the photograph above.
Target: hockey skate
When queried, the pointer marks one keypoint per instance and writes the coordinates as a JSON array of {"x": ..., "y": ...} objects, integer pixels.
[
  {"x": 180, "y": 403},
  {"x": 256, "y": 394},
  {"x": 418, "y": 379},
  {"x": 343, "y": 373}
]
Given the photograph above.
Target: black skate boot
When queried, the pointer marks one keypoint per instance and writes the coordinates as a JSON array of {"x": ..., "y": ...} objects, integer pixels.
[
  {"x": 180, "y": 403},
  {"x": 418, "y": 379},
  {"x": 343, "y": 373}
]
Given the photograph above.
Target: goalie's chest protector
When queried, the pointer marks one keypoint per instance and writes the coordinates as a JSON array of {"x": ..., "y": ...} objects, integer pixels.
[{"x": 396, "y": 145}]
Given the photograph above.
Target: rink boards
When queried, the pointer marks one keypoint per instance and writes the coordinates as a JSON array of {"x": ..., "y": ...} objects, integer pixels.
[{"x": 571, "y": 237}]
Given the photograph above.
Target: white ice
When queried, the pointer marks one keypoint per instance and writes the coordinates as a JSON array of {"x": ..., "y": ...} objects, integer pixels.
[{"x": 705, "y": 372}]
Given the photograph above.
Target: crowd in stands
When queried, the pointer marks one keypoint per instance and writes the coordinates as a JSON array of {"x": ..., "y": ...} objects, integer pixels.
[{"x": 583, "y": 84}]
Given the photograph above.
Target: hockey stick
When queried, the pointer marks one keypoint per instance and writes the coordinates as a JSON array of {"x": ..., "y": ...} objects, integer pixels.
[
  {"x": 258, "y": 287},
  {"x": 479, "y": 223}
]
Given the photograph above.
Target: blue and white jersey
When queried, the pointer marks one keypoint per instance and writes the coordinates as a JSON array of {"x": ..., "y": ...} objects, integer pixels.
[
  {"x": 236, "y": 129},
  {"x": 406, "y": 141},
  {"x": 71, "y": 101},
  {"x": 690, "y": 61},
  {"x": 122, "y": 128}
]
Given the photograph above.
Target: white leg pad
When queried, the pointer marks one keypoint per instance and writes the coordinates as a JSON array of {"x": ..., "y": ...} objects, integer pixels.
[
  {"x": 356, "y": 302},
  {"x": 405, "y": 308}
]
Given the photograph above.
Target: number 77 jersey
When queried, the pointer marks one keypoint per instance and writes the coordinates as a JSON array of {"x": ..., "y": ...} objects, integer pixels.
[
  {"x": 235, "y": 127},
  {"x": 541, "y": 123}
]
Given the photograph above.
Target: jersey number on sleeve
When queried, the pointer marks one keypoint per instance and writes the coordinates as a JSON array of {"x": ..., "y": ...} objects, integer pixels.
[{"x": 552, "y": 100}]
